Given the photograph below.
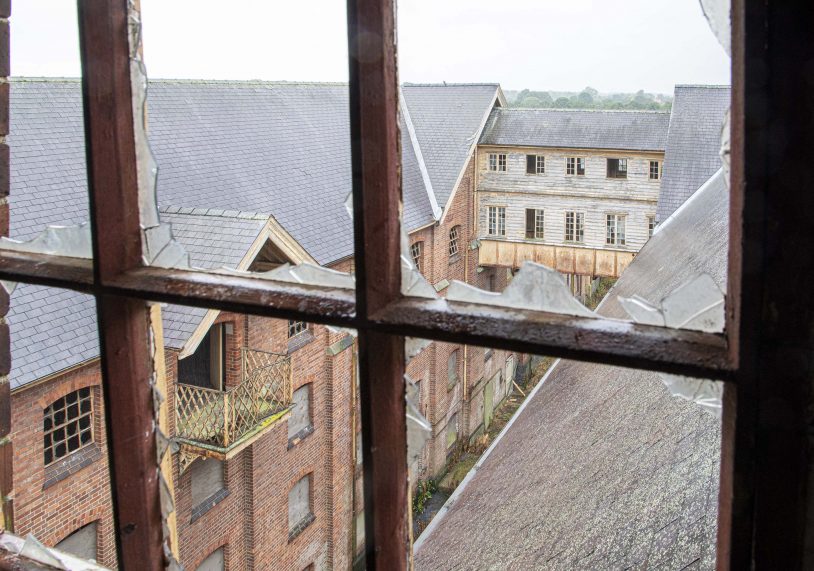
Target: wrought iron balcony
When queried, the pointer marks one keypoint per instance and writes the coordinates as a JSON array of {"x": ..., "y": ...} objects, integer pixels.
[{"x": 221, "y": 423}]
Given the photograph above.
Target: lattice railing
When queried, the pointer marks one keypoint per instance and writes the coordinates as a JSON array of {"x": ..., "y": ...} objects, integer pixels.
[{"x": 220, "y": 418}]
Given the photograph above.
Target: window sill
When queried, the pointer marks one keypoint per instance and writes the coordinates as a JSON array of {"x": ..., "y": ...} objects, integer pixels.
[
  {"x": 300, "y": 436},
  {"x": 299, "y": 341},
  {"x": 71, "y": 464},
  {"x": 300, "y": 527},
  {"x": 208, "y": 504},
  {"x": 454, "y": 259}
]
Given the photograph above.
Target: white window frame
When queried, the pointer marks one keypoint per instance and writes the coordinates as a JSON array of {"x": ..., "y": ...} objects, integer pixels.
[
  {"x": 577, "y": 226},
  {"x": 615, "y": 226},
  {"x": 655, "y": 174},
  {"x": 496, "y": 218},
  {"x": 497, "y": 162},
  {"x": 651, "y": 225},
  {"x": 539, "y": 164}
]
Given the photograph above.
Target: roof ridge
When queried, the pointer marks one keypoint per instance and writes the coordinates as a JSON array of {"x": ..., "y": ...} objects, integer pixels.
[
  {"x": 448, "y": 84},
  {"x": 709, "y": 86},
  {"x": 219, "y": 212},
  {"x": 41, "y": 79},
  {"x": 571, "y": 110}
]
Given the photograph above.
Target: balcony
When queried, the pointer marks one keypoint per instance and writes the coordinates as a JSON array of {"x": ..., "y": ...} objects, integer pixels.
[{"x": 219, "y": 424}]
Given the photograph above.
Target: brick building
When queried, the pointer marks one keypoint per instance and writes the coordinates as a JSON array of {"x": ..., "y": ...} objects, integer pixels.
[{"x": 277, "y": 488}]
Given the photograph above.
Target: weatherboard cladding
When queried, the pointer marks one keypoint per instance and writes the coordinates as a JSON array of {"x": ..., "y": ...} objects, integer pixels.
[
  {"x": 577, "y": 129},
  {"x": 270, "y": 148},
  {"x": 603, "y": 468},
  {"x": 693, "y": 143}
]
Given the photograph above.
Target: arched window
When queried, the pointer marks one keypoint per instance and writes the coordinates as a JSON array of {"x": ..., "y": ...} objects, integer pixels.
[
  {"x": 68, "y": 425},
  {"x": 81, "y": 543}
]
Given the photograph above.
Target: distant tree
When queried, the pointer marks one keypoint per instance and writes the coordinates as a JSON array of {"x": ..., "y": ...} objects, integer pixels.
[
  {"x": 522, "y": 95},
  {"x": 562, "y": 103},
  {"x": 585, "y": 98},
  {"x": 545, "y": 98},
  {"x": 531, "y": 101},
  {"x": 590, "y": 90}
]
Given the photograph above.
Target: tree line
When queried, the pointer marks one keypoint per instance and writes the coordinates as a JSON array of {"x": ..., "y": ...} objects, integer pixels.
[{"x": 590, "y": 98}]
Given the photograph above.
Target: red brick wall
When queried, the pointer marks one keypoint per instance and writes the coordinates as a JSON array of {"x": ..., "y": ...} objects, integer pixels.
[{"x": 53, "y": 513}]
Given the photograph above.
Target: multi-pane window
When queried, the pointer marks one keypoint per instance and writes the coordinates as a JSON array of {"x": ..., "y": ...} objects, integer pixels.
[
  {"x": 416, "y": 251},
  {"x": 497, "y": 162},
  {"x": 575, "y": 165},
  {"x": 452, "y": 369},
  {"x": 617, "y": 168},
  {"x": 535, "y": 164},
  {"x": 300, "y": 512},
  {"x": 655, "y": 170},
  {"x": 68, "y": 424},
  {"x": 574, "y": 226},
  {"x": 535, "y": 223},
  {"x": 454, "y": 235},
  {"x": 651, "y": 226},
  {"x": 615, "y": 224},
  {"x": 296, "y": 327},
  {"x": 497, "y": 220}
]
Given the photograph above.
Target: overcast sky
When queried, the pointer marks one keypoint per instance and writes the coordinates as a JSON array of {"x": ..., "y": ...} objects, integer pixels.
[{"x": 611, "y": 45}]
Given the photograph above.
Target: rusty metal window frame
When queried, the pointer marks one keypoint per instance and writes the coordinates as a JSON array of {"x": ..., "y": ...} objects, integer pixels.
[
  {"x": 49, "y": 433},
  {"x": 761, "y": 523}
]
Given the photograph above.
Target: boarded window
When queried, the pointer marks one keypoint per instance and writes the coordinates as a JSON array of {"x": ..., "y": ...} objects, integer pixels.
[
  {"x": 452, "y": 430},
  {"x": 215, "y": 562},
  {"x": 535, "y": 223},
  {"x": 67, "y": 425},
  {"x": 454, "y": 236},
  {"x": 299, "y": 505},
  {"x": 300, "y": 418},
  {"x": 206, "y": 478},
  {"x": 574, "y": 226},
  {"x": 617, "y": 168},
  {"x": 452, "y": 369},
  {"x": 81, "y": 543}
]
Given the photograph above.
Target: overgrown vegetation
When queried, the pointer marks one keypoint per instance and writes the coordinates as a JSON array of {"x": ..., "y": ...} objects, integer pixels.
[
  {"x": 424, "y": 490},
  {"x": 589, "y": 98},
  {"x": 605, "y": 284}
]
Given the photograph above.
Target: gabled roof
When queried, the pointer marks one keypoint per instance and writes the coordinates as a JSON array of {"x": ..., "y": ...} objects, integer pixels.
[
  {"x": 693, "y": 143},
  {"x": 602, "y": 468},
  {"x": 54, "y": 329},
  {"x": 577, "y": 129},
  {"x": 223, "y": 148},
  {"x": 448, "y": 119}
]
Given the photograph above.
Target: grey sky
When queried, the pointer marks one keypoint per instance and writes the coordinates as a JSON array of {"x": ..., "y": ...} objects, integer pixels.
[{"x": 622, "y": 45}]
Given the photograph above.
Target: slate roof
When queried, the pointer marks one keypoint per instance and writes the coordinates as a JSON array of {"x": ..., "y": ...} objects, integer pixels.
[
  {"x": 280, "y": 149},
  {"x": 577, "y": 129},
  {"x": 693, "y": 143},
  {"x": 602, "y": 468},
  {"x": 54, "y": 329},
  {"x": 447, "y": 119}
]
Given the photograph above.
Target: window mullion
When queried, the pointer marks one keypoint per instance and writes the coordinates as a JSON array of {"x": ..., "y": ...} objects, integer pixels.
[{"x": 123, "y": 323}]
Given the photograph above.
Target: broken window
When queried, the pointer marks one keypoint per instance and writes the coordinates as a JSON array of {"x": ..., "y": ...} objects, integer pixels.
[
  {"x": 68, "y": 425},
  {"x": 454, "y": 235},
  {"x": 296, "y": 327},
  {"x": 206, "y": 367},
  {"x": 655, "y": 170},
  {"x": 497, "y": 221},
  {"x": 300, "y": 506},
  {"x": 615, "y": 229},
  {"x": 575, "y": 165},
  {"x": 535, "y": 164},
  {"x": 497, "y": 162},
  {"x": 617, "y": 168},
  {"x": 574, "y": 226},
  {"x": 535, "y": 223},
  {"x": 417, "y": 251}
]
